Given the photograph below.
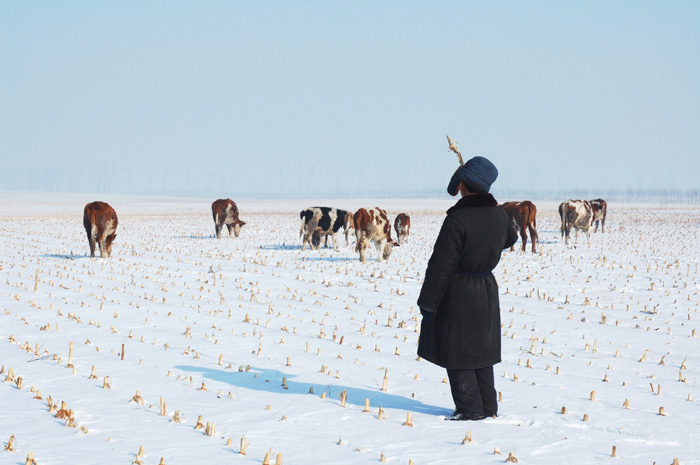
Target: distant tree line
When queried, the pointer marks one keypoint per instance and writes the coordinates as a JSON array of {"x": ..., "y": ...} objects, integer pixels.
[{"x": 658, "y": 196}]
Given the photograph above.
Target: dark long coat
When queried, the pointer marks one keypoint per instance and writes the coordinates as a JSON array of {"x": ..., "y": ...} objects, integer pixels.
[{"x": 459, "y": 288}]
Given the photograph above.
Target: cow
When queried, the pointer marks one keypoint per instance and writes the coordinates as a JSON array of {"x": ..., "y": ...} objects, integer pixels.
[
  {"x": 600, "y": 209},
  {"x": 100, "y": 222},
  {"x": 225, "y": 212},
  {"x": 372, "y": 224},
  {"x": 349, "y": 226},
  {"x": 319, "y": 222},
  {"x": 577, "y": 214},
  {"x": 402, "y": 225},
  {"x": 523, "y": 216}
]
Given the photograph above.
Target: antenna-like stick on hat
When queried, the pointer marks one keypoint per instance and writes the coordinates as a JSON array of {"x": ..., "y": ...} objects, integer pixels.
[{"x": 453, "y": 147}]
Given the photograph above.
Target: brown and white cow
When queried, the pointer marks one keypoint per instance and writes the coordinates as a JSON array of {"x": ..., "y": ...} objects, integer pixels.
[
  {"x": 577, "y": 214},
  {"x": 349, "y": 226},
  {"x": 600, "y": 210},
  {"x": 523, "y": 215},
  {"x": 402, "y": 225},
  {"x": 100, "y": 222},
  {"x": 372, "y": 224},
  {"x": 225, "y": 212},
  {"x": 317, "y": 223}
]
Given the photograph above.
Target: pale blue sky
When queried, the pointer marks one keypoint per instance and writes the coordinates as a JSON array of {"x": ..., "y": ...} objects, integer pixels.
[{"x": 327, "y": 98}]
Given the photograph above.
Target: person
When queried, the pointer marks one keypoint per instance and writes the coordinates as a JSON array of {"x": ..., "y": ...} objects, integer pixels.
[{"x": 461, "y": 327}]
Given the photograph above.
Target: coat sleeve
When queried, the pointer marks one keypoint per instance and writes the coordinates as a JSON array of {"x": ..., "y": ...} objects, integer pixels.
[{"x": 442, "y": 264}]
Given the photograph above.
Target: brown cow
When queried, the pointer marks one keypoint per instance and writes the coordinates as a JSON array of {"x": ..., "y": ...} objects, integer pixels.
[
  {"x": 225, "y": 212},
  {"x": 100, "y": 222},
  {"x": 402, "y": 225},
  {"x": 372, "y": 224},
  {"x": 523, "y": 215}
]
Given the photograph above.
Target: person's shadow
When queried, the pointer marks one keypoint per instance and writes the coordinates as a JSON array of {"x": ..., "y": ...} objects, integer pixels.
[{"x": 271, "y": 381}]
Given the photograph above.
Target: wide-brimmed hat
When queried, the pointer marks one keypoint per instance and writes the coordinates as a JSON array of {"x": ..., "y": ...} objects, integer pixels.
[{"x": 477, "y": 173}]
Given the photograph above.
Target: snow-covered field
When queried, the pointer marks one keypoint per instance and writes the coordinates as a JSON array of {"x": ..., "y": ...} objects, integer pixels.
[{"x": 258, "y": 341}]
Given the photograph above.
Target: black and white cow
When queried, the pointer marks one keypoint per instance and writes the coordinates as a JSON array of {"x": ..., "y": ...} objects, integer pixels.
[
  {"x": 577, "y": 214},
  {"x": 600, "y": 210},
  {"x": 319, "y": 222}
]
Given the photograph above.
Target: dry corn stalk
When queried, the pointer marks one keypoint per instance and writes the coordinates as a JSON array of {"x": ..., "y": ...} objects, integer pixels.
[
  {"x": 10, "y": 447},
  {"x": 244, "y": 445},
  {"x": 511, "y": 458},
  {"x": 70, "y": 355},
  {"x": 62, "y": 413},
  {"x": 199, "y": 424},
  {"x": 137, "y": 398},
  {"x": 266, "y": 460},
  {"x": 467, "y": 438},
  {"x": 139, "y": 456},
  {"x": 30, "y": 459}
]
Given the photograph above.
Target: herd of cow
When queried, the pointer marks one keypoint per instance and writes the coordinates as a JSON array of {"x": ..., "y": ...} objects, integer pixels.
[{"x": 369, "y": 224}]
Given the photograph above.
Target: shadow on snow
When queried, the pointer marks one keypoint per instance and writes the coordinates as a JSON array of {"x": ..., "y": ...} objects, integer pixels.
[
  {"x": 271, "y": 381},
  {"x": 65, "y": 256}
]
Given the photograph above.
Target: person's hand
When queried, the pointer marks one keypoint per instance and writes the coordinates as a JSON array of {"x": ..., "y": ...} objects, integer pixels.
[{"x": 428, "y": 317}]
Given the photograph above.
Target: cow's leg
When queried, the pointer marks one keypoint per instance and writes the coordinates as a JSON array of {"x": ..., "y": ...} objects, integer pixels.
[
  {"x": 335, "y": 240},
  {"x": 380, "y": 249},
  {"x": 523, "y": 236},
  {"x": 217, "y": 227},
  {"x": 91, "y": 241},
  {"x": 230, "y": 229},
  {"x": 602, "y": 225},
  {"x": 307, "y": 239},
  {"x": 362, "y": 247},
  {"x": 358, "y": 239},
  {"x": 103, "y": 247},
  {"x": 533, "y": 237}
]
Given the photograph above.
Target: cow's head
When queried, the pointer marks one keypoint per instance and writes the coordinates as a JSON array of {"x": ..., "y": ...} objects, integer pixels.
[
  {"x": 108, "y": 243},
  {"x": 515, "y": 225},
  {"x": 237, "y": 225},
  {"x": 388, "y": 248}
]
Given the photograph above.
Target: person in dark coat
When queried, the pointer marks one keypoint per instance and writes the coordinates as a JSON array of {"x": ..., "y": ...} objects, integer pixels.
[{"x": 461, "y": 327}]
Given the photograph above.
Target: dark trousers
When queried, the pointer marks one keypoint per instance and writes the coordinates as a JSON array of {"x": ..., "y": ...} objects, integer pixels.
[{"x": 473, "y": 391}]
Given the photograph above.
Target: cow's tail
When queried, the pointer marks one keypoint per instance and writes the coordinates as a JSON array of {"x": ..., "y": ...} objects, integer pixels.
[
  {"x": 534, "y": 237},
  {"x": 302, "y": 216},
  {"x": 565, "y": 219}
]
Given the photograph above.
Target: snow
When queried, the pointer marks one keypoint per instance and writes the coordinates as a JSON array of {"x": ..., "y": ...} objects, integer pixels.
[{"x": 215, "y": 328}]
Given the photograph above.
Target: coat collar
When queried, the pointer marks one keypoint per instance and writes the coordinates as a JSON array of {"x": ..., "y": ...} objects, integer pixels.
[{"x": 474, "y": 200}]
